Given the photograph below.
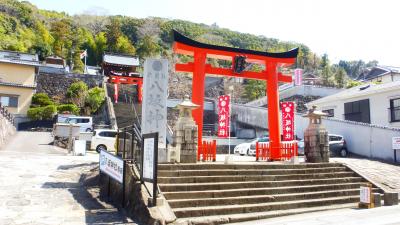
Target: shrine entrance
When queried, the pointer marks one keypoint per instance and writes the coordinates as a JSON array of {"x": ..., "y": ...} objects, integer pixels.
[{"x": 239, "y": 57}]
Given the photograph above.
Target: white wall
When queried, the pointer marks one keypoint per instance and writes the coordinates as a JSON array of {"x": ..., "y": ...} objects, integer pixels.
[
  {"x": 362, "y": 139},
  {"x": 379, "y": 104}
]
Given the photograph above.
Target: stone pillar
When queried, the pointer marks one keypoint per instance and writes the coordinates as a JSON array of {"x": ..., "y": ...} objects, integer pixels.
[
  {"x": 185, "y": 135},
  {"x": 316, "y": 143}
]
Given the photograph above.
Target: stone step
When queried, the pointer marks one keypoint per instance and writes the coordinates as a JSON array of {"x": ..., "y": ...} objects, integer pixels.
[
  {"x": 232, "y": 172},
  {"x": 255, "y": 165},
  {"x": 254, "y": 199},
  {"x": 270, "y": 206},
  {"x": 236, "y": 218},
  {"x": 256, "y": 191},
  {"x": 205, "y": 179},
  {"x": 253, "y": 184}
]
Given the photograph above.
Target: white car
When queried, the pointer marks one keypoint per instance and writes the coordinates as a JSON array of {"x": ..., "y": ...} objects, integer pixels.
[
  {"x": 249, "y": 148},
  {"x": 242, "y": 149},
  {"x": 104, "y": 139},
  {"x": 85, "y": 122}
]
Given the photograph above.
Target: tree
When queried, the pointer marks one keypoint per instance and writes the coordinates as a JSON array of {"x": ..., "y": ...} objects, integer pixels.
[
  {"x": 254, "y": 89},
  {"x": 100, "y": 42},
  {"x": 124, "y": 46},
  {"x": 148, "y": 47},
  {"x": 77, "y": 92},
  {"x": 113, "y": 32},
  {"x": 61, "y": 31},
  {"x": 340, "y": 77}
]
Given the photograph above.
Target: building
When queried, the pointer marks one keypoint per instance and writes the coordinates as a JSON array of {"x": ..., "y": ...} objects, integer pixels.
[
  {"x": 120, "y": 65},
  {"x": 368, "y": 103},
  {"x": 381, "y": 74},
  {"x": 17, "y": 82}
]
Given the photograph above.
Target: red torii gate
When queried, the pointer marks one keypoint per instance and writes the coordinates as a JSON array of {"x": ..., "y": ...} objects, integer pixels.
[{"x": 199, "y": 68}]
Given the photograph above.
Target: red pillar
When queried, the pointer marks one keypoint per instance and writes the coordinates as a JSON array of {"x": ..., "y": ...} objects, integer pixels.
[
  {"x": 198, "y": 81},
  {"x": 273, "y": 111}
]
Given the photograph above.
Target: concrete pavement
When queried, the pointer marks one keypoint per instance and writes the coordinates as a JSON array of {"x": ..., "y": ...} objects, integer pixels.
[
  {"x": 42, "y": 184},
  {"x": 383, "y": 174},
  {"x": 386, "y": 215}
]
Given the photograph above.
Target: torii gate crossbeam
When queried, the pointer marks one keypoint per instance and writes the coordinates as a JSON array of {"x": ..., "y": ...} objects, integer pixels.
[{"x": 199, "y": 68}]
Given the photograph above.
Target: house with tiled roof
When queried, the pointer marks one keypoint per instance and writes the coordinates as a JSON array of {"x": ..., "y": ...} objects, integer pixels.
[
  {"x": 17, "y": 82},
  {"x": 381, "y": 74}
]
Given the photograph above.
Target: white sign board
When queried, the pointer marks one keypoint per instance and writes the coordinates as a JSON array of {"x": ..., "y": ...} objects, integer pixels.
[
  {"x": 80, "y": 147},
  {"x": 365, "y": 195},
  {"x": 112, "y": 166},
  {"x": 154, "y": 106},
  {"x": 395, "y": 142},
  {"x": 148, "y": 158}
]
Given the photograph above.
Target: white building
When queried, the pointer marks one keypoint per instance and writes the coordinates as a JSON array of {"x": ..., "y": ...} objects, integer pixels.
[
  {"x": 368, "y": 103},
  {"x": 382, "y": 74}
]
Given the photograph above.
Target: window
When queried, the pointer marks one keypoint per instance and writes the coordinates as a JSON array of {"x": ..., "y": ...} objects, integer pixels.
[
  {"x": 335, "y": 138},
  {"x": 394, "y": 110},
  {"x": 330, "y": 112},
  {"x": 358, "y": 111},
  {"x": 10, "y": 101}
]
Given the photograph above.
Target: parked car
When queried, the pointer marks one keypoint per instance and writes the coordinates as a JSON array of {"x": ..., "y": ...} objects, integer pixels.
[
  {"x": 252, "y": 150},
  {"x": 337, "y": 146},
  {"x": 103, "y": 139},
  {"x": 242, "y": 149},
  {"x": 85, "y": 122}
]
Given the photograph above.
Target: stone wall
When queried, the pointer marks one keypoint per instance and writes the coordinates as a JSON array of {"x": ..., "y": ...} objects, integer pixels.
[
  {"x": 56, "y": 85},
  {"x": 7, "y": 130}
]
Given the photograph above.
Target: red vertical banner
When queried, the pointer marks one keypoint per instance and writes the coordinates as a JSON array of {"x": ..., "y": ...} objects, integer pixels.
[
  {"x": 287, "y": 120},
  {"x": 298, "y": 77},
  {"x": 223, "y": 116}
]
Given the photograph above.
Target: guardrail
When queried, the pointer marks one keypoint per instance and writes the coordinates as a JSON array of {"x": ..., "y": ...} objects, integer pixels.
[{"x": 4, "y": 112}]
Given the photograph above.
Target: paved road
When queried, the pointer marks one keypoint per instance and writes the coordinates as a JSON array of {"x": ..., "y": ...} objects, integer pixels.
[
  {"x": 386, "y": 175},
  {"x": 389, "y": 215},
  {"x": 41, "y": 184}
]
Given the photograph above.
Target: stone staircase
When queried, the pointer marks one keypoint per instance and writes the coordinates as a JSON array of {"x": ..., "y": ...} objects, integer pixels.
[{"x": 217, "y": 193}]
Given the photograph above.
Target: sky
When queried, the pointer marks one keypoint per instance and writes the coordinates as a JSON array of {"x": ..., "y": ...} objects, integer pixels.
[{"x": 343, "y": 29}]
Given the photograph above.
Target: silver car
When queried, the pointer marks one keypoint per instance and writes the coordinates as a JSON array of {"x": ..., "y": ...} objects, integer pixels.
[{"x": 337, "y": 146}]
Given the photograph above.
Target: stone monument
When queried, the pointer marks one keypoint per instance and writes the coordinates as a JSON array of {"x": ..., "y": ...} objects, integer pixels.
[
  {"x": 316, "y": 143},
  {"x": 185, "y": 135}
]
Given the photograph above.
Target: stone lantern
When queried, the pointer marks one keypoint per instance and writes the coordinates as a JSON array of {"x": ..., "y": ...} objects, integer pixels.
[
  {"x": 185, "y": 135},
  {"x": 316, "y": 143}
]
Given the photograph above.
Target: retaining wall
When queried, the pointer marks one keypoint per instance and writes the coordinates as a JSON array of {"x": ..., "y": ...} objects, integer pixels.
[{"x": 7, "y": 130}]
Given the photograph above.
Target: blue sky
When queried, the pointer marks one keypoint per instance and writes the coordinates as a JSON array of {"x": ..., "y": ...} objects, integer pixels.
[{"x": 344, "y": 29}]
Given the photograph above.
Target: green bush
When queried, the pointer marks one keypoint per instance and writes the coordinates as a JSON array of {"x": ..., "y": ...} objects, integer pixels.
[
  {"x": 42, "y": 113},
  {"x": 71, "y": 108},
  {"x": 95, "y": 98},
  {"x": 41, "y": 99},
  {"x": 35, "y": 113},
  {"x": 49, "y": 111},
  {"x": 77, "y": 92}
]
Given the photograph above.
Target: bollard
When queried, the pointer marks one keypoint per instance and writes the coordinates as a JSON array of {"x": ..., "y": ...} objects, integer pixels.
[{"x": 391, "y": 198}]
